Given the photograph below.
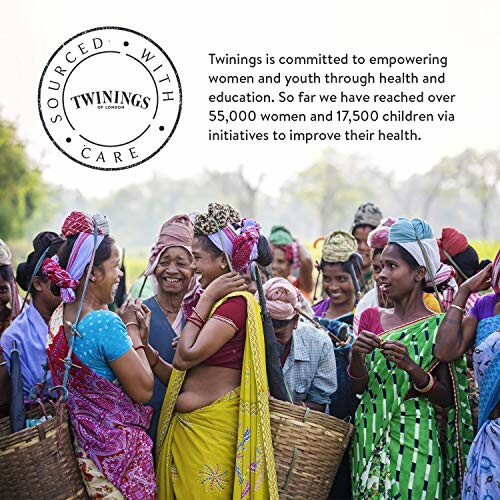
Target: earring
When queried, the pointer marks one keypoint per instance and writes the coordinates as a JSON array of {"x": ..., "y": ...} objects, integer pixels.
[{"x": 223, "y": 266}]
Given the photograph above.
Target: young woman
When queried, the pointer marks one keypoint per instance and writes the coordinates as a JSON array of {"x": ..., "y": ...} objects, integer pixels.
[
  {"x": 29, "y": 331},
  {"x": 109, "y": 378},
  {"x": 479, "y": 329},
  {"x": 214, "y": 432},
  {"x": 396, "y": 450}
]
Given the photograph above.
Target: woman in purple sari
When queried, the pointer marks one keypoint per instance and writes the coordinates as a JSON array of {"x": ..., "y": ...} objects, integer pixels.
[
  {"x": 110, "y": 376},
  {"x": 480, "y": 329}
]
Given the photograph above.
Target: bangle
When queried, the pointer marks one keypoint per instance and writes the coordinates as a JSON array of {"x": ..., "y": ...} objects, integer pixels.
[
  {"x": 458, "y": 307},
  {"x": 198, "y": 315},
  {"x": 428, "y": 387},
  {"x": 3, "y": 363},
  {"x": 140, "y": 347},
  {"x": 356, "y": 378},
  {"x": 157, "y": 354},
  {"x": 132, "y": 323},
  {"x": 195, "y": 321}
]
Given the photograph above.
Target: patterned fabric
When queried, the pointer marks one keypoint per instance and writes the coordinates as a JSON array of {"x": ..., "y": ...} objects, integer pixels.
[
  {"x": 379, "y": 237},
  {"x": 59, "y": 276},
  {"x": 482, "y": 478},
  {"x": 367, "y": 214},
  {"x": 310, "y": 370},
  {"x": 395, "y": 451},
  {"x": 282, "y": 298},
  {"x": 338, "y": 247},
  {"x": 224, "y": 215},
  {"x": 80, "y": 222},
  {"x": 253, "y": 460},
  {"x": 108, "y": 425}
]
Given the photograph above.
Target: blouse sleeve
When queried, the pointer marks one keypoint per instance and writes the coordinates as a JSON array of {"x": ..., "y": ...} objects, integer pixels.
[
  {"x": 113, "y": 339},
  {"x": 233, "y": 312}
]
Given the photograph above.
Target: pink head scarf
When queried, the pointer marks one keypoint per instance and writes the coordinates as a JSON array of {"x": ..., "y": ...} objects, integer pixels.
[
  {"x": 379, "y": 237},
  {"x": 176, "y": 232},
  {"x": 282, "y": 298}
]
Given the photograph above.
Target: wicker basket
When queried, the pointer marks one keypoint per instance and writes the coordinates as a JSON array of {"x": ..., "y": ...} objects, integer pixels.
[
  {"x": 39, "y": 462},
  {"x": 308, "y": 448}
]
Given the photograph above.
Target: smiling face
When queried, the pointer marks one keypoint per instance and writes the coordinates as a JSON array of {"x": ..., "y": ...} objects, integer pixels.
[
  {"x": 107, "y": 277},
  {"x": 281, "y": 267},
  {"x": 338, "y": 285},
  {"x": 174, "y": 271},
  {"x": 208, "y": 265},
  {"x": 397, "y": 278},
  {"x": 361, "y": 235}
]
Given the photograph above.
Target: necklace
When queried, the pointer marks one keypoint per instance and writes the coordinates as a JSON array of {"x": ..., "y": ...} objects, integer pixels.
[{"x": 164, "y": 309}]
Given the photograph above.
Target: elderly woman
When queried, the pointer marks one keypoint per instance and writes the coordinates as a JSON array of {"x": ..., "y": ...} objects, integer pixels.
[
  {"x": 307, "y": 359},
  {"x": 29, "y": 331},
  {"x": 399, "y": 379},
  {"x": 110, "y": 377},
  {"x": 9, "y": 295},
  {"x": 479, "y": 329},
  {"x": 176, "y": 291},
  {"x": 214, "y": 433},
  {"x": 290, "y": 255}
]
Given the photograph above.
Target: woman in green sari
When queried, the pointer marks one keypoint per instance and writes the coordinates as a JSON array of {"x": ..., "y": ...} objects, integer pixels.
[{"x": 396, "y": 451}]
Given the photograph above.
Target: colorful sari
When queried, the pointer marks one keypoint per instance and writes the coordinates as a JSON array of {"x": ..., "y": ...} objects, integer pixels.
[
  {"x": 396, "y": 451},
  {"x": 224, "y": 449},
  {"x": 110, "y": 428},
  {"x": 482, "y": 478}
]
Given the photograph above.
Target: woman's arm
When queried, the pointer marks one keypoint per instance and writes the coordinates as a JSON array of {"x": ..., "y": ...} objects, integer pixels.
[
  {"x": 306, "y": 269},
  {"x": 364, "y": 344},
  {"x": 456, "y": 334}
]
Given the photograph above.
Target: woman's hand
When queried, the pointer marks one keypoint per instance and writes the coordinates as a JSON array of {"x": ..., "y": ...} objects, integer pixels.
[
  {"x": 224, "y": 285},
  {"x": 175, "y": 342},
  {"x": 144, "y": 319},
  {"x": 128, "y": 310},
  {"x": 480, "y": 281},
  {"x": 397, "y": 352},
  {"x": 365, "y": 343}
]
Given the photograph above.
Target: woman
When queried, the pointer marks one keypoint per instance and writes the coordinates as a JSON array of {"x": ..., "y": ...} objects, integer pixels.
[
  {"x": 9, "y": 295},
  {"x": 340, "y": 266},
  {"x": 109, "y": 378},
  {"x": 29, "y": 331},
  {"x": 176, "y": 291},
  {"x": 479, "y": 329},
  {"x": 289, "y": 254},
  {"x": 214, "y": 432},
  {"x": 399, "y": 379}
]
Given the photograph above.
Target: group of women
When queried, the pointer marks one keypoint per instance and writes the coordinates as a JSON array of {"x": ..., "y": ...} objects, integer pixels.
[{"x": 169, "y": 396}]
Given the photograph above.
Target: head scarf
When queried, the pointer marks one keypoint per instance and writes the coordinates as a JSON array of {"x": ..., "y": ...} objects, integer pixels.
[
  {"x": 367, "y": 214},
  {"x": 6, "y": 260},
  {"x": 280, "y": 237},
  {"x": 282, "y": 298},
  {"x": 240, "y": 238},
  {"x": 338, "y": 247},
  {"x": 176, "y": 232},
  {"x": 379, "y": 237},
  {"x": 495, "y": 274},
  {"x": 83, "y": 225},
  {"x": 455, "y": 249},
  {"x": 417, "y": 239}
]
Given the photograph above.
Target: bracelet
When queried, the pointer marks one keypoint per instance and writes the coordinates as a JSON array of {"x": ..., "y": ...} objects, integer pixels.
[
  {"x": 458, "y": 307},
  {"x": 356, "y": 378},
  {"x": 198, "y": 315},
  {"x": 3, "y": 363},
  {"x": 195, "y": 321},
  {"x": 132, "y": 323},
  {"x": 157, "y": 354},
  {"x": 428, "y": 387},
  {"x": 140, "y": 347}
]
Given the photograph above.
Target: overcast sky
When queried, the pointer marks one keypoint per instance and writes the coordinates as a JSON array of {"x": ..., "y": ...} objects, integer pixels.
[{"x": 465, "y": 32}]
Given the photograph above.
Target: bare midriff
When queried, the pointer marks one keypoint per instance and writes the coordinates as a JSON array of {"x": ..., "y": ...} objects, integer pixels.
[{"x": 205, "y": 384}]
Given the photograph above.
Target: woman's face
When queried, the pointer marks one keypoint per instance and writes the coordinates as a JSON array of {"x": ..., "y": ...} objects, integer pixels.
[
  {"x": 108, "y": 276},
  {"x": 44, "y": 295},
  {"x": 338, "y": 284},
  {"x": 207, "y": 266},
  {"x": 174, "y": 271},
  {"x": 397, "y": 279},
  {"x": 377, "y": 265},
  {"x": 5, "y": 294},
  {"x": 281, "y": 267},
  {"x": 251, "y": 284},
  {"x": 361, "y": 236}
]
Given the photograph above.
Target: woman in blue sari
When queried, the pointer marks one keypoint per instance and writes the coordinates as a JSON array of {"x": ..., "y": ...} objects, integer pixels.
[{"x": 480, "y": 329}]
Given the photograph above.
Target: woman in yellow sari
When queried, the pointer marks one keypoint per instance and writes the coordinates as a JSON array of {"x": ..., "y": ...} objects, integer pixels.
[{"x": 214, "y": 436}]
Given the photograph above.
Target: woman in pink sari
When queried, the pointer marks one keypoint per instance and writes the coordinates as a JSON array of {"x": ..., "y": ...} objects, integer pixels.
[{"x": 110, "y": 377}]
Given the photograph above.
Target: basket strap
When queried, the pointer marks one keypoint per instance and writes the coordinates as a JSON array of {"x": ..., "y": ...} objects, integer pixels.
[
  {"x": 306, "y": 414},
  {"x": 41, "y": 432}
]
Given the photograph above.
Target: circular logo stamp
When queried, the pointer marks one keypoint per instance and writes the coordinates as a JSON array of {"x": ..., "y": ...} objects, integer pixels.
[{"x": 110, "y": 98}]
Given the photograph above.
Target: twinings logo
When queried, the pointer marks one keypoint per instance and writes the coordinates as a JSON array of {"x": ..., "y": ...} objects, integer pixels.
[{"x": 110, "y": 98}]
